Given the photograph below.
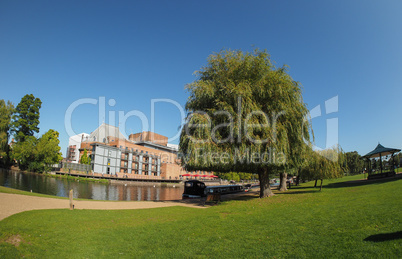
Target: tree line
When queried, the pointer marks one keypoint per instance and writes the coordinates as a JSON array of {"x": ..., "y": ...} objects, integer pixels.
[{"x": 27, "y": 151}]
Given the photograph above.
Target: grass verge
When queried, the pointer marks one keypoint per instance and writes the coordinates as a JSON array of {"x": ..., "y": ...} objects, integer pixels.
[
  {"x": 359, "y": 219},
  {"x": 82, "y": 179},
  {"x": 16, "y": 191}
]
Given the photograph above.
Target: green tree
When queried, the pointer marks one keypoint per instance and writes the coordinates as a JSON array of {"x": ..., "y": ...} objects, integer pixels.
[
  {"x": 229, "y": 176},
  {"x": 26, "y": 117},
  {"x": 244, "y": 115},
  {"x": 235, "y": 176},
  {"x": 85, "y": 159},
  {"x": 25, "y": 153},
  {"x": 354, "y": 162},
  {"x": 37, "y": 155},
  {"x": 6, "y": 112},
  {"x": 245, "y": 176},
  {"x": 48, "y": 150},
  {"x": 325, "y": 164}
]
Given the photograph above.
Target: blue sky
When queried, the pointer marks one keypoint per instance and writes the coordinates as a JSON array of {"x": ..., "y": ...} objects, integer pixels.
[{"x": 130, "y": 52}]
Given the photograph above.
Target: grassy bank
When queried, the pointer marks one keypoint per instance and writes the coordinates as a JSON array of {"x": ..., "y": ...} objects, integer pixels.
[
  {"x": 358, "y": 219},
  {"x": 15, "y": 191},
  {"x": 82, "y": 179}
]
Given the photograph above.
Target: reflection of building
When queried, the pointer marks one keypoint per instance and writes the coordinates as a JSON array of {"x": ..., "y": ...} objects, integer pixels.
[
  {"x": 74, "y": 144},
  {"x": 144, "y": 155}
]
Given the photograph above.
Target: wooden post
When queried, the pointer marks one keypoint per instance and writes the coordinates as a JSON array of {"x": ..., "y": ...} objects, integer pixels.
[{"x": 71, "y": 199}]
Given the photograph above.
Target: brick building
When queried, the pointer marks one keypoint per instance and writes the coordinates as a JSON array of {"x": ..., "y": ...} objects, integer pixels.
[{"x": 144, "y": 155}]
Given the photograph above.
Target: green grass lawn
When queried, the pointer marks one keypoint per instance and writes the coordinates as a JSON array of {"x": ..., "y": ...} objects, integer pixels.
[
  {"x": 345, "y": 220},
  {"x": 15, "y": 191}
]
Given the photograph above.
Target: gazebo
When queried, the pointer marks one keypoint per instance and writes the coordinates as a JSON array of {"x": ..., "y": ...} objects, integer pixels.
[{"x": 380, "y": 151}]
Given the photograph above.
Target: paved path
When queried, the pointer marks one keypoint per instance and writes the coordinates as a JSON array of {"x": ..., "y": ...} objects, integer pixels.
[{"x": 15, "y": 203}]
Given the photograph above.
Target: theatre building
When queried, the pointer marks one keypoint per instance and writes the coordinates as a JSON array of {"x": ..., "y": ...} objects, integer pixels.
[{"x": 144, "y": 155}]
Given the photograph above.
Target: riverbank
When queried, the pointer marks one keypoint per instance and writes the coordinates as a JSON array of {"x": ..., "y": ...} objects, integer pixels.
[
  {"x": 75, "y": 178},
  {"x": 12, "y": 203}
]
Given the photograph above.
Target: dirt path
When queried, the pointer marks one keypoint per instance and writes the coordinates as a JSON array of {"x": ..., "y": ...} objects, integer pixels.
[{"x": 11, "y": 204}]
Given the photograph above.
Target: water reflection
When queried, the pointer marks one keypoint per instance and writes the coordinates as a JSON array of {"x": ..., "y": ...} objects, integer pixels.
[{"x": 88, "y": 190}]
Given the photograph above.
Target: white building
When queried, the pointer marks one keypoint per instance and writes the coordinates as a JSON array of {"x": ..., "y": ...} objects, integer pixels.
[{"x": 74, "y": 144}]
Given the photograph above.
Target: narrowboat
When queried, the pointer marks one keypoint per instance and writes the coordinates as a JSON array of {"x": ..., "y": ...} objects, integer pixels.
[{"x": 197, "y": 189}]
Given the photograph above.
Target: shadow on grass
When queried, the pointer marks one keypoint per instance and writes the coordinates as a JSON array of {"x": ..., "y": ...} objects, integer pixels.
[
  {"x": 301, "y": 187},
  {"x": 313, "y": 190},
  {"x": 384, "y": 237},
  {"x": 201, "y": 202},
  {"x": 364, "y": 182}
]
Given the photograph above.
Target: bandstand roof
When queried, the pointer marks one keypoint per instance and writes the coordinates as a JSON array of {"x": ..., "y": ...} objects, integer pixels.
[{"x": 380, "y": 150}]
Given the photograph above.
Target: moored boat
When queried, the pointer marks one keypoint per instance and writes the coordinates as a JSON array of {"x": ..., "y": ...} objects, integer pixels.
[{"x": 197, "y": 189}]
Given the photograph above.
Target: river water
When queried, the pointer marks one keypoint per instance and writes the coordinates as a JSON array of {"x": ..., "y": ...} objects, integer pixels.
[{"x": 89, "y": 190}]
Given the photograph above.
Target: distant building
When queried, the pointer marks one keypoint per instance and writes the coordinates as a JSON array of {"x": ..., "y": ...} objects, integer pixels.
[
  {"x": 145, "y": 155},
  {"x": 74, "y": 144}
]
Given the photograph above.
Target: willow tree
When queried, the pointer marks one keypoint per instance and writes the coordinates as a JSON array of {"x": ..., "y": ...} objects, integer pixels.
[
  {"x": 6, "y": 112},
  {"x": 325, "y": 164},
  {"x": 243, "y": 115}
]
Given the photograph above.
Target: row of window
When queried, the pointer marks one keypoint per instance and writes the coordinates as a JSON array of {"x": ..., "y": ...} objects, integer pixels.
[
  {"x": 145, "y": 167},
  {"x": 136, "y": 159},
  {"x": 123, "y": 170},
  {"x": 132, "y": 150}
]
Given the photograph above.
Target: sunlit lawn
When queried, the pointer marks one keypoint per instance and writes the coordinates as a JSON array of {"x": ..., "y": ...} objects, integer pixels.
[{"x": 344, "y": 220}]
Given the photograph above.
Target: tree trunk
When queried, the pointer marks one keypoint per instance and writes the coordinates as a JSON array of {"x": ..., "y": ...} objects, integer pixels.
[
  {"x": 282, "y": 185},
  {"x": 265, "y": 188},
  {"x": 321, "y": 185},
  {"x": 297, "y": 180},
  {"x": 315, "y": 185}
]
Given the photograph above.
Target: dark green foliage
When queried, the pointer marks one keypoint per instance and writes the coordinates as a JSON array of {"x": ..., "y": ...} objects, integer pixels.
[
  {"x": 26, "y": 118},
  {"x": 354, "y": 162},
  {"x": 37, "y": 155},
  {"x": 25, "y": 154},
  {"x": 236, "y": 176},
  {"x": 31, "y": 153},
  {"x": 6, "y": 112}
]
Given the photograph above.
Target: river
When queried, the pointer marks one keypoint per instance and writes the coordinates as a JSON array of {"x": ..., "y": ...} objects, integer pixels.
[{"x": 89, "y": 190}]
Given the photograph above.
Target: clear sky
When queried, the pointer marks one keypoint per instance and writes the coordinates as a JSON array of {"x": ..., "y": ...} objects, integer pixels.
[{"x": 346, "y": 54}]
